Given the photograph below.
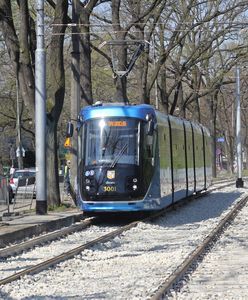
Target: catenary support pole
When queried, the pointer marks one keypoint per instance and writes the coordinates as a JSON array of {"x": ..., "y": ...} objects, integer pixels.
[
  {"x": 18, "y": 127},
  {"x": 40, "y": 113},
  {"x": 156, "y": 81},
  {"x": 239, "y": 181}
]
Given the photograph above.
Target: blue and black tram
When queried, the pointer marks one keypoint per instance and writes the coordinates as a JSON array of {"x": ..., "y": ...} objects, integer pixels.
[{"x": 134, "y": 158}]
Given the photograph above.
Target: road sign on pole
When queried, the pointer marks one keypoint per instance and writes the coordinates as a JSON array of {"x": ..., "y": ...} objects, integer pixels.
[
  {"x": 12, "y": 154},
  {"x": 20, "y": 153},
  {"x": 220, "y": 139}
]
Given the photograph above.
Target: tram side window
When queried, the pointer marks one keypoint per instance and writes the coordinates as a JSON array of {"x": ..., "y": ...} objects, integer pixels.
[
  {"x": 149, "y": 146},
  {"x": 81, "y": 140},
  {"x": 148, "y": 158}
]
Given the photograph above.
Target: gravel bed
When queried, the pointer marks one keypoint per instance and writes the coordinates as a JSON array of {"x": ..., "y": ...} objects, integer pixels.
[
  {"x": 131, "y": 266},
  {"x": 223, "y": 272},
  {"x": 38, "y": 254}
]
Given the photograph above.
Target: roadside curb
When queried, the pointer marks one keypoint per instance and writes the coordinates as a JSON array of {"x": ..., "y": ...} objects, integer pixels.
[{"x": 26, "y": 229}]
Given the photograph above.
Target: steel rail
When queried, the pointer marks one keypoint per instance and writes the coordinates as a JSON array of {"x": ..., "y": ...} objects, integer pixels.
[
  {"x": 67, "y": 255},
  {"x": 194, "y": 256},
  {"x": 71, "y": 253},
  {"x": 45, "y": 238}
]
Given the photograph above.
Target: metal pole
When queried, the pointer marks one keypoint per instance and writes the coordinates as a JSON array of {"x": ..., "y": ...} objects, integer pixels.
[
  {"x": 239, "y": 181},
  {"x": 75, "y": 93},
  {"x": 18, "y": 127},
  {"x": 40, "y": 113},
  {"x": 156, "y": 81}
]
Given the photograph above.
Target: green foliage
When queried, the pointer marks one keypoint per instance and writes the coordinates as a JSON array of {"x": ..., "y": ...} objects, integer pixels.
[
  {"x": 102, "y": 79},
  {"x": 245, "y": 172},
  {"x": 60, "y": 208},
  {"x": 49, "y": 105}
]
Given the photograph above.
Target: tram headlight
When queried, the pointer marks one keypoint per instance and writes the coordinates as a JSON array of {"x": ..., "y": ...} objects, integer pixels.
[
  {"x": 135, "y": 187},
  {"x": 148, "y": 117},
  {"x": 81, "y": 118},
  {"x": 102, "y": 123}
]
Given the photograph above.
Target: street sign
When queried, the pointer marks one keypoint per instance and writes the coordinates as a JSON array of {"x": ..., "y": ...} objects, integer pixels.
[
  {"x": 67, "y": 143},
  {"x": 12, "y": 153},
  {"x": 221, "y": 139},
  {"x": 18, "y": 152}
]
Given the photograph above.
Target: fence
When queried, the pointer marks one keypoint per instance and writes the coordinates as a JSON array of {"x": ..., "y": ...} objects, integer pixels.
[
  {"x": 24, "y": 197},
  {"x": 24, "y": 194},
  {"x": 4, "y": 192}
]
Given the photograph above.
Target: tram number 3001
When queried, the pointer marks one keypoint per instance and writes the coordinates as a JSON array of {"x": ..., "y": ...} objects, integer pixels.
[{"x": 108, "y": 188}]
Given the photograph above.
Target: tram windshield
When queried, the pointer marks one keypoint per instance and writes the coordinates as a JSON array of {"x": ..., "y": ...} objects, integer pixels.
[{"x": 112, "y": 141}]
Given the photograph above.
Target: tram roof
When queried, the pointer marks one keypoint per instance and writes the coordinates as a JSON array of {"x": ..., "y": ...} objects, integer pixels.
[{"x": 117, "y": 110}]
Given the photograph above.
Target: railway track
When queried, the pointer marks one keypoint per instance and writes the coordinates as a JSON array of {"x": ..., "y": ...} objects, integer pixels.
[
  {"x": 57, "y": 259},
  {"x": 222, "y": 272},
  {"x": 102, "y": 238},
  {"x": 189, "y": 264},
  {"x": 64, "y": 256},
  {"x": 44, "y": 239}
]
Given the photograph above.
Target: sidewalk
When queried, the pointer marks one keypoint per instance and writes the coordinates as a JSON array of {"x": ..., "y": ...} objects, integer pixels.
[{"x": 16, "y": 227}]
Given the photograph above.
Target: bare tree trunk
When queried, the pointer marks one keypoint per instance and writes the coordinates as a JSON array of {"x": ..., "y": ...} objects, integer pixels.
[
  {"x": 25, "y": 70},
  {"x": 55, "y": 103},
  {"x": 178, "y": 99},
  {"x": 162, "y": 90},
  {"x": 81, "y": 85},
  {"x": 53, "y": 192},
  {"x": 85, "y": 51},
  {"x": 22, "y": 64},
  {"x": 229, "y": 145},
  {"x": 120, "y": 82},
  {"x": 20, "y": 60},
  {"x": 213, "y": 112}
]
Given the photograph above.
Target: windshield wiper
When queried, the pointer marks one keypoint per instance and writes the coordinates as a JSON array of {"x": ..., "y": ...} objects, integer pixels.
[{"x": 119, "y": 155}]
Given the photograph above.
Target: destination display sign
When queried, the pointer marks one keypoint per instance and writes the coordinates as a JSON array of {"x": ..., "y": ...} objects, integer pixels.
[{"x": 117, "y": 123}]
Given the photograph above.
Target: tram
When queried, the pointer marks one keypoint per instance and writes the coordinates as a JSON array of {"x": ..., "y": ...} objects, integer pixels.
[{"x": 134, "y": 158}]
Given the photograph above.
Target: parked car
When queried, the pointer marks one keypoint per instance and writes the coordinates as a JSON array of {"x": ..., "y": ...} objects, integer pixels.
[{"x": 21, "y": 175}]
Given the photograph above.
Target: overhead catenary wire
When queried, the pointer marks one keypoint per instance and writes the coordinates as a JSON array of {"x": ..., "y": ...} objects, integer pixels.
[
  {"x": 144, "y": 23},
  {"x": 145, "y": 31}
]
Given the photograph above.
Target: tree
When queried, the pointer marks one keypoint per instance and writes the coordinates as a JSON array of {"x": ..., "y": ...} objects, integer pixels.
[
  {"x": 128, "y": 21},
  {"x": 21, "y": 49},
  {"x": 81, "y": 86},
  {"x": 56, "y": 76}
]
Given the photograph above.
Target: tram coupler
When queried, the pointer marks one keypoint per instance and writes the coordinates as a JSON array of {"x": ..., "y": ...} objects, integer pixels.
[{"x": 239, "y": 183}]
